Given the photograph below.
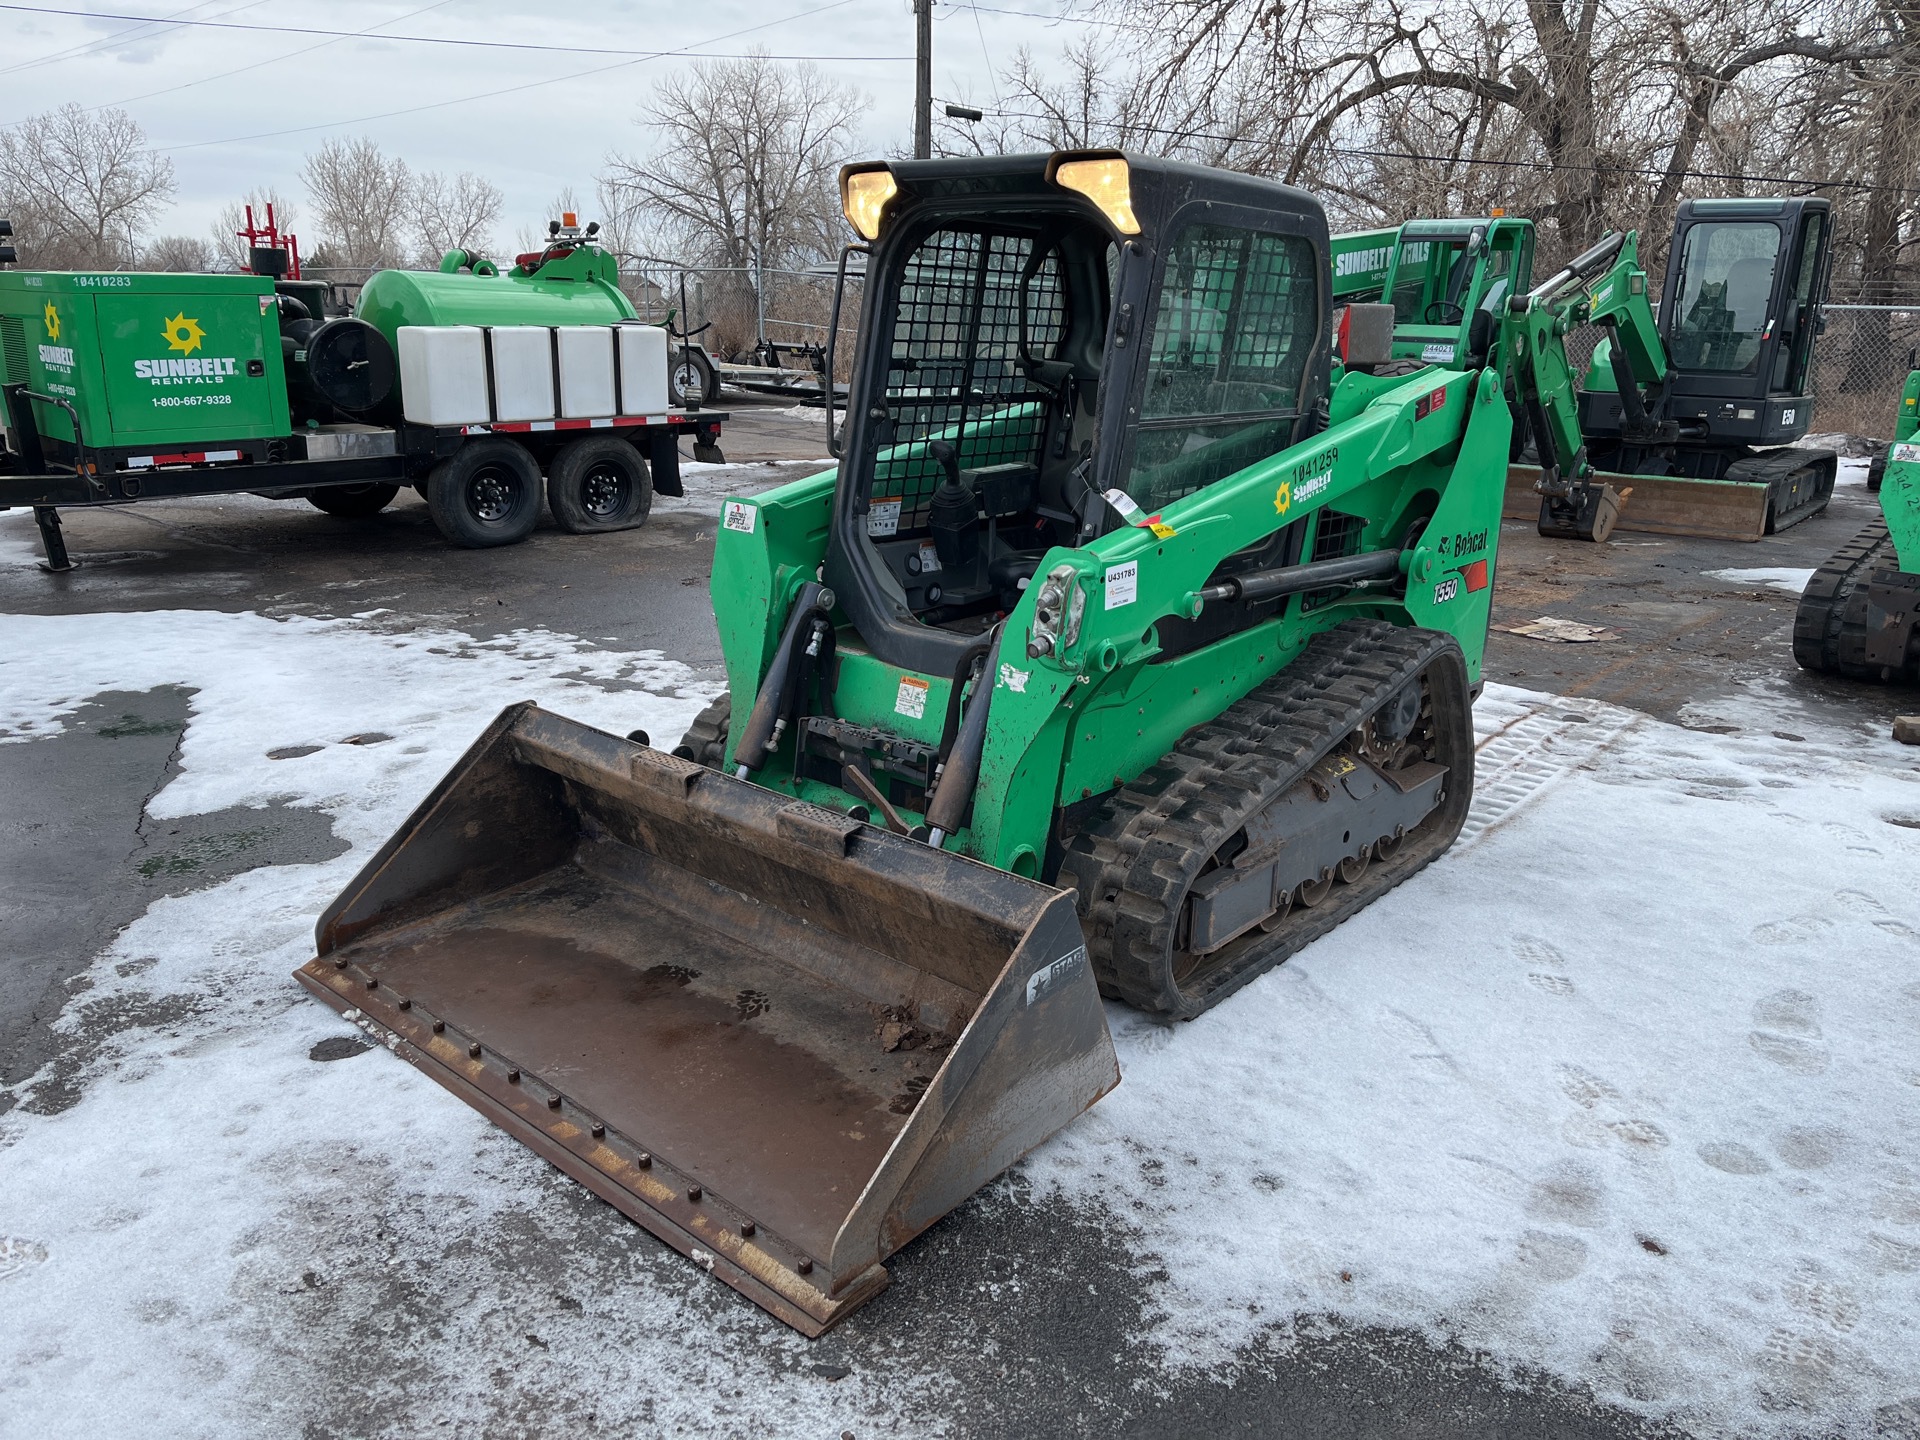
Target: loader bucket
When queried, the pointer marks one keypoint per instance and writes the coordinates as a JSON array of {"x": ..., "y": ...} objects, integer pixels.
[{"x": 784, "y": 1041}]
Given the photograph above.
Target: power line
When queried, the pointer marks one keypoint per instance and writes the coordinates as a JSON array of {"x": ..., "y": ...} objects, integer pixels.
[
  {"x": 1048, "y": 19},
  {"x": 529, "y": 85},
  {"x": 411, "y": 39},
  {"x": 153, "y": 23},
  {"x": 1547, "y": 165},
  {"x": 259, "y": 64}
]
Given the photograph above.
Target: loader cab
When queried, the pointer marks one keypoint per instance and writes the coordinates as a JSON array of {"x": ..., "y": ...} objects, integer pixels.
[
  {"x": 1447, "y": 281},
  {"x": 1739, "y": 313},
  {"x": 1040, "y": 333}
]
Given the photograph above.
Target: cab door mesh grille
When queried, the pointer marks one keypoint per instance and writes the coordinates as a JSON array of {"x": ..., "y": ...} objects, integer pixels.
[{"x": 954, "y": 370}]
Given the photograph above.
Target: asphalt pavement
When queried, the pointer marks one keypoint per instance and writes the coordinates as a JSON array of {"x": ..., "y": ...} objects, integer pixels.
[{"x": 80, "y": 857}]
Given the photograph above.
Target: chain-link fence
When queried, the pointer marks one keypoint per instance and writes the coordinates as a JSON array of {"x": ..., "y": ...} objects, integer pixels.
[
  {"x": 790, "y": 309},
  {"x": 1860, "y": 363}
]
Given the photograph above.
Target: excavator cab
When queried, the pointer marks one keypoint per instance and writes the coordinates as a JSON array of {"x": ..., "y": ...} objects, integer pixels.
[{"x": 1739, "y": 312}]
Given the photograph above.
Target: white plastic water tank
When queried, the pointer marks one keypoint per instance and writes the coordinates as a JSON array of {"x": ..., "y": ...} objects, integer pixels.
[
  {"x": 522, "y": 372},
  {"x": 643, "y": 369},
  {"x": 443, "y": 374},
  {"x": 586, "y": 371}
]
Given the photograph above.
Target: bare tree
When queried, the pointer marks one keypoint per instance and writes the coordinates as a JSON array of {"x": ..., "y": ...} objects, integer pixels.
[
  {"x": 182, "y": 254},
  {"x": 743, "y": 177},
  {"x": 454, "y": 212},
  {"x": 362, "y": 200},
  {"x": 227, "y": 239},
  {"x": 1578, "y": 113},
  {"x": 81, "y": 188}
]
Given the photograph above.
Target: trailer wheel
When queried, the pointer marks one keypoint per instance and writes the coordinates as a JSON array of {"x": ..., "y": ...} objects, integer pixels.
[
  {"x": 599, "y": 484},
  {"x": 353, "y": 502},
  {"x": 690, "y": 379},
  {"x": 488, "y": 493}
]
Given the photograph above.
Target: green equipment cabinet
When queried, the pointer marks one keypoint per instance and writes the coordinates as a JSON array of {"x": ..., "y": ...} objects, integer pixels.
[{"x": 145, "y": 361}]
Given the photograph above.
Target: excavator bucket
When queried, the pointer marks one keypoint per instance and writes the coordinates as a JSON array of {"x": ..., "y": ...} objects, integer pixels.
[{"x": 782, "y": 1040}]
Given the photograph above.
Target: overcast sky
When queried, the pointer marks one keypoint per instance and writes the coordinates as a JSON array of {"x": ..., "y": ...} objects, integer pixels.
[{"x": 213, "y": 99}]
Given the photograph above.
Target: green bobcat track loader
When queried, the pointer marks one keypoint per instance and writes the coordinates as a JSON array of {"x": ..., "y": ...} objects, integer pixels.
[
  {"x": 1859, "y": 616},
  {"x": 1129, "y": 648}
]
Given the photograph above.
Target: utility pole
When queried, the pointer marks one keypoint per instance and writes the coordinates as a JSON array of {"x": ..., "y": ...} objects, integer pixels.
[{"x": 923, "y": 79}]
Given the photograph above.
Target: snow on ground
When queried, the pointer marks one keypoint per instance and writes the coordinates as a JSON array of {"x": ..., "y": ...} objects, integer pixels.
[
  {"x": 708, "y": 486},
  {"x": 1626, "y": 1088},
  {"x": 1778, "y": 577},
  {"x": 1853, "y": 470}
]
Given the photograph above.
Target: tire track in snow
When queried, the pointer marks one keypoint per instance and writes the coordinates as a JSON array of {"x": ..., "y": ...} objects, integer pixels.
[{"x": 1514, "y": 763}]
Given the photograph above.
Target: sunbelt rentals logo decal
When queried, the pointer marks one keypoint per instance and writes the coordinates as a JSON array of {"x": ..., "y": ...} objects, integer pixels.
[
  {"x": 54, "y": 357},
  {"x": 184, "y": 336}
]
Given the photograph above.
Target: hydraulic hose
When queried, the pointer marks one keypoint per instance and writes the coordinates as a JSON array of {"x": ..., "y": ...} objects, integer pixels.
[
  {"x": 811, "y": 608},
  {"x": 962, "y": 774}
]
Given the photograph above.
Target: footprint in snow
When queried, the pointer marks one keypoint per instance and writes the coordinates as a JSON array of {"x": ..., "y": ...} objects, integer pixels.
[
  {"x": 1733, "y": 1158},
  {"x": 1427, "y": 1046},
  {"x": 1813, "y": 1294},
  {"x": 1569, "y": 1195},
  {"x": 17, "y": 1255},
  {"x": 1549, "y": 1258},
  {"x": 1795, "y": 930},
  {"x": 1538, "y": 952},
  {"x": 1809, "y": 1147},
  {"x": 1787, "y": 1032},
  {"x": 1552, "y": 984},
  {"x": 1870, "y": 906},
  {"x": 1853, "y": 839},
  {"x": 1798, "y": 1368},
  {"x": 1888, "y": 1255},
  {"x": 1584, "y": 1088}
]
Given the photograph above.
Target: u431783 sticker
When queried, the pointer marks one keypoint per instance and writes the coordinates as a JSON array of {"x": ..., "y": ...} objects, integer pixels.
[{"x": 740, "y": 517}]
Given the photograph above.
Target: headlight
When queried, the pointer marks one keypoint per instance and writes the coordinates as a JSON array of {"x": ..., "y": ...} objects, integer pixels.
[
  {"x": 1107, "y": 183},
  {"x": 864, "y": 195}
]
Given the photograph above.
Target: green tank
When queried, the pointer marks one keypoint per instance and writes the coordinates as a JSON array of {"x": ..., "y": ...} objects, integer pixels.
[{"x": 569, "y": 283}]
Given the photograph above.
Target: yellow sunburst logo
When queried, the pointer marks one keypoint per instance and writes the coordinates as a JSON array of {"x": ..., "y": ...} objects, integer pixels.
[
  {"x": 183, "y": 334},
  {"x": 1283, "y": 498},
  {"x": 53, "y": 322}
]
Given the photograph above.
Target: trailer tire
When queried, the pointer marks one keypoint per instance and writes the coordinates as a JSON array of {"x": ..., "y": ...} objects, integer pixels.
[
  {"x": 487, "y": 494},
  {"x": 599, "y": 484},
  {"x": 353, "y": 502},
  {"x": 690, "y": 379}
]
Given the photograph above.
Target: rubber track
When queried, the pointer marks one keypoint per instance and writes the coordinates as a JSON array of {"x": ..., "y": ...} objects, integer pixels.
[
  {"x": 1829, "y": 628},
  {"x": 706, "y": 738},
  {"x": 1775, "y": 467},
  {"x": 1132, "y": 867}
]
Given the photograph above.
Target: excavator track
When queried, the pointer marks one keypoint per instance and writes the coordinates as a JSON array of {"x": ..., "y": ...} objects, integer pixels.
[
  {"x": 1221, "y": 801},
  {"x": 1799, "y": 482},
  {"x": 1830, "y": 627}
]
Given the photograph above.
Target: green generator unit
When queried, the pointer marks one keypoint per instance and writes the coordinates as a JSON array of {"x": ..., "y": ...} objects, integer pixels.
[
  {"x": 145, "y": 361},
  {"x": 116, "y": 388}
]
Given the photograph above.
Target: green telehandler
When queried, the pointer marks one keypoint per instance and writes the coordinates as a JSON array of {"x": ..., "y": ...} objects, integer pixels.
[
  {"x": 1859, "y": 616},
  {"x": 1130, "y": 646}
]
